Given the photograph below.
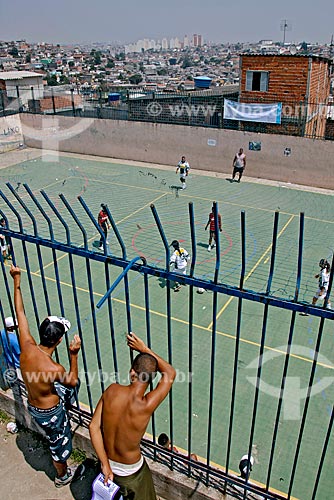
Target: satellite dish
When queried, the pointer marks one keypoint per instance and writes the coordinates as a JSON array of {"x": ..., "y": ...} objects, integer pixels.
[{"x": 293, "y": 50}]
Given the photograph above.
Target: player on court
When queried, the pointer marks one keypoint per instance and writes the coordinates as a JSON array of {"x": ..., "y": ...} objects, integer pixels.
[
  {"x": 211, "y": 223},
  {"x": 184, "y": 167},
  {"x": 323, "y": 278},
  {"x": 179, "y": 260}
]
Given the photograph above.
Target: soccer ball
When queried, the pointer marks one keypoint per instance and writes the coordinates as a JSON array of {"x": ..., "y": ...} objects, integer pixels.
[{"x": 200, "y": 290}]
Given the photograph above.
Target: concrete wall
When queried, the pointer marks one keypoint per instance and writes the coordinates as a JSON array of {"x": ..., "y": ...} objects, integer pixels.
[{"x": 311, "y": 162}]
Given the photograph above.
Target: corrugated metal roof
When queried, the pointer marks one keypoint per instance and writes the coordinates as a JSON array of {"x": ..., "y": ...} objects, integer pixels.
[
  {"x": 18, "y": 75},
  {"x": 287, "y": 54}
]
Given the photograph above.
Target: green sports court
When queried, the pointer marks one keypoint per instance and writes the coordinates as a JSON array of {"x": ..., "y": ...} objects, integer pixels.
[{"x": 201, "y": 354}]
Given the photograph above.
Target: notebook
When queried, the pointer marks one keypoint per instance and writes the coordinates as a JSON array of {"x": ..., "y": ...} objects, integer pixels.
[{"x": 109, "y": 491}]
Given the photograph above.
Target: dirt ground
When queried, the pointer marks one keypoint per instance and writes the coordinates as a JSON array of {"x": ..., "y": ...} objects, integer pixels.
[{"x": 26, "y": 470}]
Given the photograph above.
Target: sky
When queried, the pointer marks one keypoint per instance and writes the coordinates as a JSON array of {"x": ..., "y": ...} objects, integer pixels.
[{"x": 126, "y": 21}]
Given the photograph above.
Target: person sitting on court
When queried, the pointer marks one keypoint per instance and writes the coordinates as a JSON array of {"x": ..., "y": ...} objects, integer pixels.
[{"x": 49, "y": 386}]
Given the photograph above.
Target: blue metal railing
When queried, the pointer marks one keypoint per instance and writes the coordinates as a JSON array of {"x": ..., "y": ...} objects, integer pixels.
[{"x": 24, "y": 215}]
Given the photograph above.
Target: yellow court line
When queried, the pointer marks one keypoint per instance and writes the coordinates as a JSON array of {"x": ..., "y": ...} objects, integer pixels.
[
  {"x": 253, "y": 269},
  {"x": 178, "y": 320},
  {"x": 192, "y": 197},
  {"x": 117, "y": 223}
]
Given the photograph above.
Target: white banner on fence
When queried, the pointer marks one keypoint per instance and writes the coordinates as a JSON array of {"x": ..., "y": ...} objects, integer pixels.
[{"x": 266, "y": 113}]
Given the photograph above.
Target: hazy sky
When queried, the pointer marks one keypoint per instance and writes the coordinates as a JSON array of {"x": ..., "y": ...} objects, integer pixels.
[{"x": 73, "y": 21}]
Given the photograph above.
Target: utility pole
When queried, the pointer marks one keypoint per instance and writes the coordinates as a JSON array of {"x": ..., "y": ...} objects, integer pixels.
[{"x": 285, "y": 26}]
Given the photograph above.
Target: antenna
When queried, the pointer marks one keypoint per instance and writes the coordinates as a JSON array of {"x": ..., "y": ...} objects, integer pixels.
[{"x": 285, "y": 26}]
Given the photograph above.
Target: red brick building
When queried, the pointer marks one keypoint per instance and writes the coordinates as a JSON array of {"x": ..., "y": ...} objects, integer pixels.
[{"x": 300, "y": 82}]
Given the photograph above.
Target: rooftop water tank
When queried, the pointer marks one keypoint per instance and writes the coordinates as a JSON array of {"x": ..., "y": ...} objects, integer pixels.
[
  {"x": 113, "y": 97},
  {"x": 202, "y": 82}
]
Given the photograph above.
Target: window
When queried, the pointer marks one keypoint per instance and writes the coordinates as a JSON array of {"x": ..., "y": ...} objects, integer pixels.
[{"x": 257, "y": 80}]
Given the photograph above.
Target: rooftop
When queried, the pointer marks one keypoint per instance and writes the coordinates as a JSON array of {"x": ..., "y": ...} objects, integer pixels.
[{"x": 18, "y": 75}]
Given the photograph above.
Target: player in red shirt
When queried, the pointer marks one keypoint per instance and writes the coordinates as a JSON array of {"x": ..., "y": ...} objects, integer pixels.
[
  {"x": 211, "y": 222},
  {"x": 102, "y": 219}
]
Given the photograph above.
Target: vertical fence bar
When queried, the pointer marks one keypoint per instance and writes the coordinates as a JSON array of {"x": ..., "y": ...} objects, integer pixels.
[
  {"x": 237, "y": 343},
  {"x": 306, "y": 405},
  {"x": 323, "y": 455},
  {"x": 90, "y": 289},
  {"x": 169, "y": 322},
  {"x": 25, "y": 255},
  {"x": 75, "y": 298},
  {"x": 3, "y": 103},
  {"x": 287, "y": 357},
  {"x": 121, "y": 242},
  {"x": 262, "y": 343},
  {"x": 38, "y": 248},
  {"x": 53, "y": 102},
  {"x": 213, "y": 342},
  {"x": 190, "y": 331},
  {"x": 72, "y": 102}
]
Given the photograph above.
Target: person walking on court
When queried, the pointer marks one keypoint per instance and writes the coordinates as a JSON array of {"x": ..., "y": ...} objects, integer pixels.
[
  {"x": 211, "y": 223},
  {"x": 179, "y": 259},
  {"x": 50, "y": 388},
  {"x": 323, "y": 282},
  {"x": 239, "y": 164},
  {"x": 102, "y": 220},
  {"x": 184, "y": 167},
  {"x": 121, "y": 418}
]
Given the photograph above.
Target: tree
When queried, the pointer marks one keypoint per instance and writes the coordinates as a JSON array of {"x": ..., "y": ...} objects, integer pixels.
[
  {"x": 52, "y": 80},
  {"x": 28, "y": 58},
  {"x": 71, "y": 64},
  {"x": 187, "y": 62},
  {"x": 135, "y": 79},
  {"x": 97, "y": 58},
  {"x": 110, "y": 63},
  {"x": 13, "y": 52},
  {"x": 63, "y": 79}
]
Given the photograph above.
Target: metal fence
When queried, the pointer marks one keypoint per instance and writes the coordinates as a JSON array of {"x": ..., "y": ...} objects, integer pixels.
[
  {"x": 196, "y": 108},
  {"x": 40, "y": 227}
]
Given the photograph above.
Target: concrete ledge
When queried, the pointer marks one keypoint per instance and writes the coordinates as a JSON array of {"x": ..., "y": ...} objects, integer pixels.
[{"x": 169, "y": 484}]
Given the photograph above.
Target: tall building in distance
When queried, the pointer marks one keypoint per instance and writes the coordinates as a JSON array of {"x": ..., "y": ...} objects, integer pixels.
[{"x": 197, "y": 40}]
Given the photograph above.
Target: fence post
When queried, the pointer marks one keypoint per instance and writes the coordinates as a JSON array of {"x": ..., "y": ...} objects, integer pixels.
[
  {"x": 2, "y": 103},
  {"x": 72, "y": 100},
  {"x": 18, "y": 99},
  {"x": 33, "y": 99},
  {"x": 53, "y": 102}
]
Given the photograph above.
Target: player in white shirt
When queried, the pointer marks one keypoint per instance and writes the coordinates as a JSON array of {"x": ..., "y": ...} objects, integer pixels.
[
  {"x": 239, "y": 164},
  {"x": 323, "y": 278},
  {"x": 179, "y": 259},
  {"x": 184, "y": 167}
]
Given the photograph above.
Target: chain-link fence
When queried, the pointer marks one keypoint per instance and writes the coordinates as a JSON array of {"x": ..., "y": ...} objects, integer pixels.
[{"x": 194, "y": 108}]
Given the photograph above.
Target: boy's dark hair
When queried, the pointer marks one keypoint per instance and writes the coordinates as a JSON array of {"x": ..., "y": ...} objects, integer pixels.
[
  {"x": 163, "y": 439},
  {"x": 145, "y": 365},
  {"x": 50, "y": 332}
]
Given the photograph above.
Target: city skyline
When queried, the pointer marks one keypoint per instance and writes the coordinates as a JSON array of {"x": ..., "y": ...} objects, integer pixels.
[{"x": 103, "y": 21}]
